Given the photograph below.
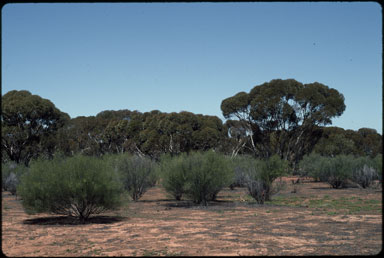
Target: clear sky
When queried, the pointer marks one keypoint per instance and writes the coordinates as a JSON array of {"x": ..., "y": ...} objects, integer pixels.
[{"x": 91, "y": 57}]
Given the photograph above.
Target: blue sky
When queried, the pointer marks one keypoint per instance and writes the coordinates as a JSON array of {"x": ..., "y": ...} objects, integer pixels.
[{"x": 91, "y": 57}]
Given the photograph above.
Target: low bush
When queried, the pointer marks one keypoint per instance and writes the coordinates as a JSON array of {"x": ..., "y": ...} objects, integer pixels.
[
  {"x": 240, "y": 165},
  {"x": 137, "y": 174},
  {"x": 173, "y": 172},
  {"x": 311, "y": 166},
  {"x": 78, "y": 186},
  {"x": 337, "y": 170},
  {"x": 260, "y": 175},
  {"x": 208, "y": 173},
  {"x": 197, "y": 175},
  {"x": 257, "y": 187},
  {"x": 364, "y": 172}
]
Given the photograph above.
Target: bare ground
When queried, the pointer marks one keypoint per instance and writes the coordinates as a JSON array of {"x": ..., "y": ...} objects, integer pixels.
[{"x": 156, "y": 225}]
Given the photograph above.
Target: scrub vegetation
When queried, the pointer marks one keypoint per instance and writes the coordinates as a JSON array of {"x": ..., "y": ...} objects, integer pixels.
[{"x": 87, "y": 165}]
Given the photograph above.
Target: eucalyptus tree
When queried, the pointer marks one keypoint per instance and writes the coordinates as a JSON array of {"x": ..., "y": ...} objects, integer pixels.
[
  {"x": 283, "y": 117},
  {"x": 371, "y": 142},
  {"x": 174, "y": 133},
  {"x": 83, "y": 135},
  {"x": 29, "y": 123},
  {"x": 336, "y": 140}
]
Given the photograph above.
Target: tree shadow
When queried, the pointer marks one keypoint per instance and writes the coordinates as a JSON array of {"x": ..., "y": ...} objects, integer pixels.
[{"x": 67, "y": 221}]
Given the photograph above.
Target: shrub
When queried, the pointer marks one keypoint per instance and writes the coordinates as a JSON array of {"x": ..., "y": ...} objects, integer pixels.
[
  {"x": 174, "y": 172},
  {"x": 137, "y": 174},
  {"x": 78, "y": 186},
  {"x": 311, "y": 165},
  {"x": 11, "y": 173},
  {"x": 337, "y": 170},
  {"x": 240, "y": 165},
  {"x": 363, "y": 171},
  {"x": 254, "y": 182},
  {"x": 260, "y": 175},
  {"x": 208, "y": 173}
]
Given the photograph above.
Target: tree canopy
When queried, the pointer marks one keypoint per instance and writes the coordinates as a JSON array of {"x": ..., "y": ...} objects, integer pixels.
[
  {"x": 282, "y": 116},
  {"x": 28, "y": 124}
]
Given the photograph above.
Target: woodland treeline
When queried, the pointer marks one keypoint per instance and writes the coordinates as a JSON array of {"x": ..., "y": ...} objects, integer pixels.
[{"x": 283, "y": 117}]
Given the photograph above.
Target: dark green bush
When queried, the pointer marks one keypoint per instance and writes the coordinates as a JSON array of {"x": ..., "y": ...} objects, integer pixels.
[
  {"x": 78, "y": 186},
  {"x": 337, "y": 170},
  {"x": 174, "y": 172},
  {"x": 137, "y": 174},
  {"x": 311, "y": 166},
  {"x": 198, "y": 175},
  {"x": 208, "y": 173}
]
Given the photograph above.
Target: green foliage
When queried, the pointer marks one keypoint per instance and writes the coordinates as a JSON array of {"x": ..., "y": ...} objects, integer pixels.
[
  {"x": 28, "y": 124},
  {"x": 282, "y": 116},
  {"x": 208, "y": 173},
  {"x": 198, "y": 175},
  {"x": 78, "y": 186},
  {"x": 260, "y": 174},
  {"x": 335, "y": 141},
  {"x": 174, "y": 172},
  {"x": 311, "y": 165},
  {"x": 151, "y": 133},
  {"x": 273, "y": 168},
  {"x": 335, "y": 144},
  {"x": 337, "y": 170},
  {"x": 137, "y": 174}
]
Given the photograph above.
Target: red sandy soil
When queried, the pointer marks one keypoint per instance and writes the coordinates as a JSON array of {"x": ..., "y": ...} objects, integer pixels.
[{"x": 156, "y": 225}]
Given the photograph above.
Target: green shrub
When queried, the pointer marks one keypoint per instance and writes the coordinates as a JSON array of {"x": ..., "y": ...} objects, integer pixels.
[
  {"x": 137, "y": 174},
  {"x": 337, "y": 170},
  {"x": 208, "y": 173},
  {"x": 261, "y": 174},
  {"x": 311, "y": 166},
  {"x": 173, "y": 171},
  {"x": 198, "y": 175},
  {"x": 78, "y": 186}
]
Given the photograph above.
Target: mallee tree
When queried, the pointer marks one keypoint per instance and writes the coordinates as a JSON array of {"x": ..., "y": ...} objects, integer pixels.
[
  {"x": 28, "y": 124},
  {"x": 283, "y": 117}
]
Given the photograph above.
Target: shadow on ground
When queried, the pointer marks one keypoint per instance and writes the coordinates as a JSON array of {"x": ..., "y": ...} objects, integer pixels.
[{"x": 65, "y": 220}]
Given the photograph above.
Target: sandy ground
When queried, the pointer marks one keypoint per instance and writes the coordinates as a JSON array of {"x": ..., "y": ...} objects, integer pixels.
[{"x": 159, "y": 226}]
